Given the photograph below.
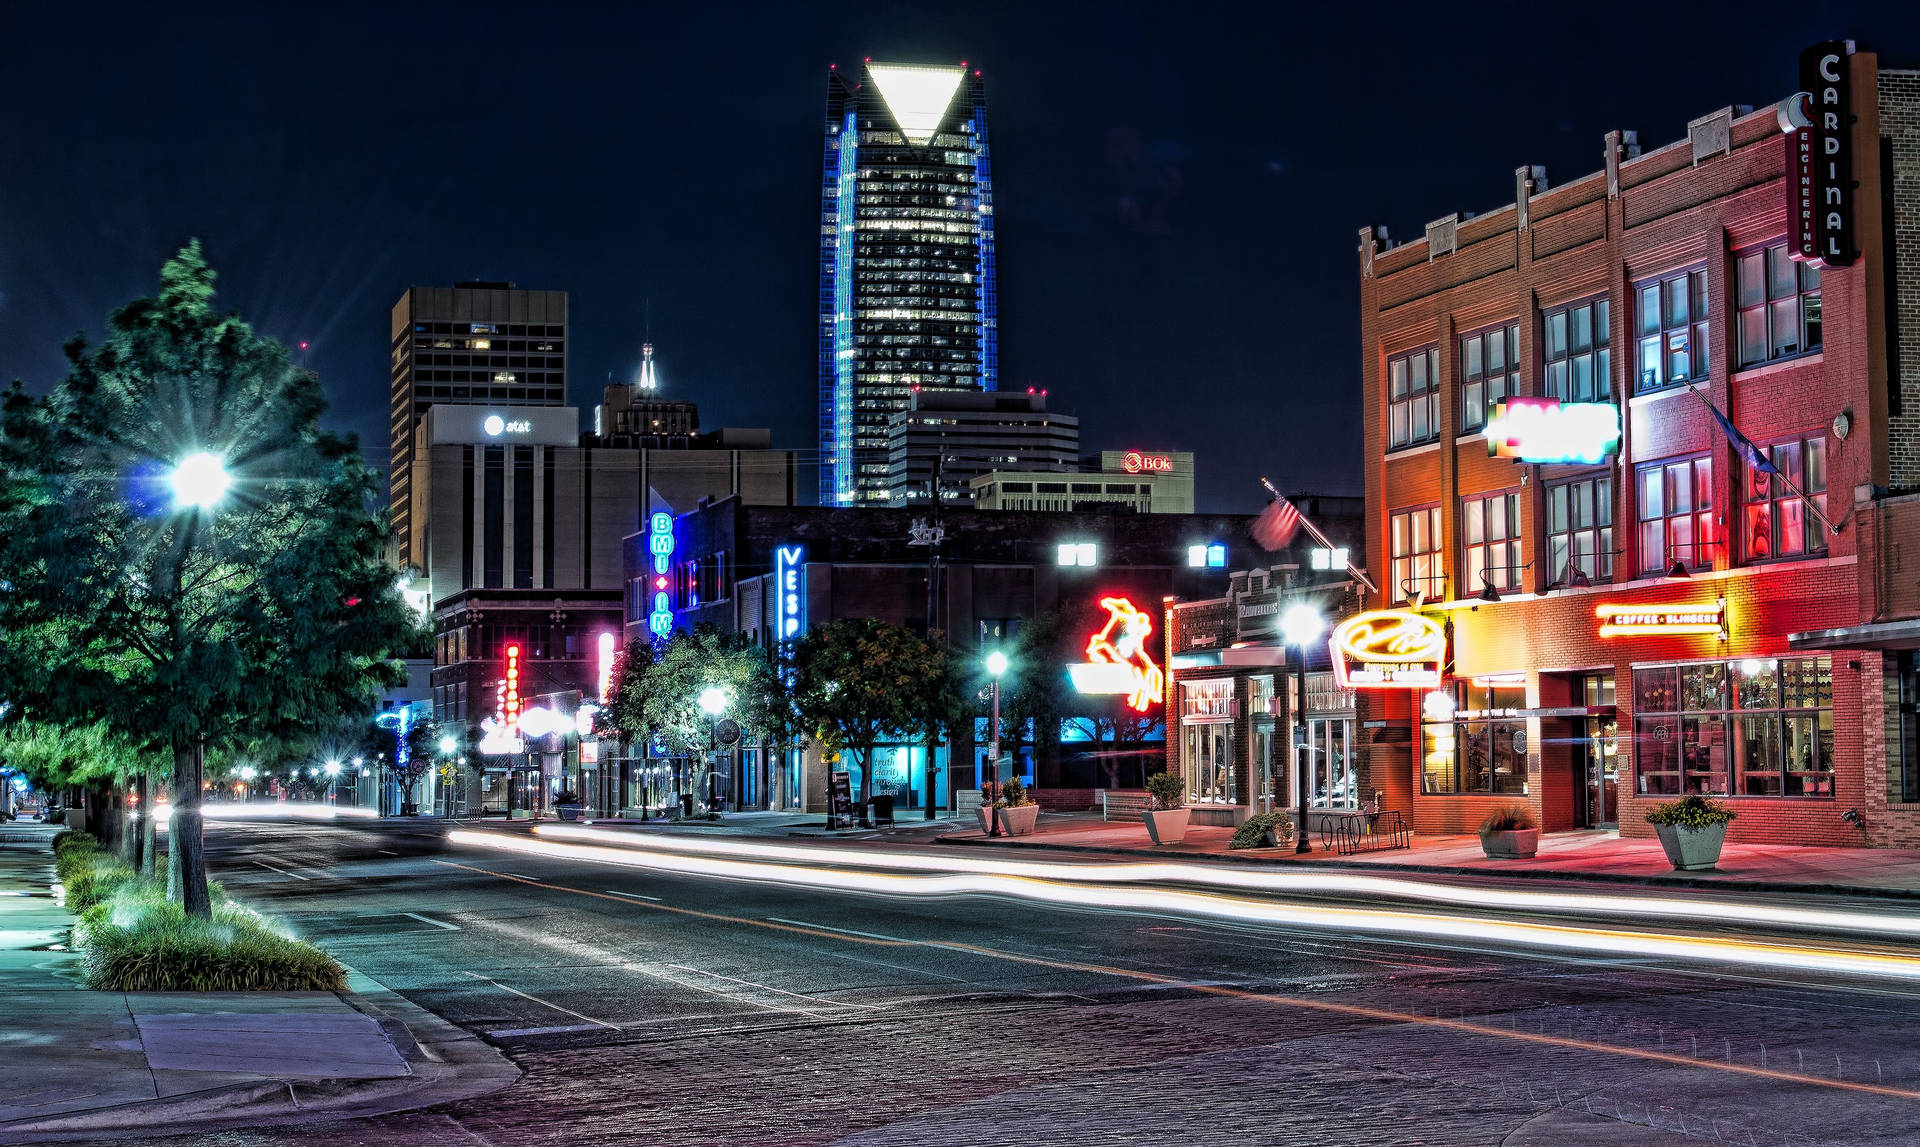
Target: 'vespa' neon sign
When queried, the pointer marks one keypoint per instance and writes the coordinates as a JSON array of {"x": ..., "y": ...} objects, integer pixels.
[
  {"x": 660, "y": 544},
  {"x": 788, "y": 563},
  {"x": 1117, "y": 658},
  {"x": 1388, "y": 649}
]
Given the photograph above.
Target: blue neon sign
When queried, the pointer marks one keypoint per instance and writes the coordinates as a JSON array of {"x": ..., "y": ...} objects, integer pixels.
[
  {"x": 660, "y": 544},
  {"x": 789, "y": 564}
]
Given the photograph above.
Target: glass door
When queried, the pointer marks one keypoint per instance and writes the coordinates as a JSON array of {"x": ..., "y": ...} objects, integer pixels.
[{"x": 1602, "y": 788}]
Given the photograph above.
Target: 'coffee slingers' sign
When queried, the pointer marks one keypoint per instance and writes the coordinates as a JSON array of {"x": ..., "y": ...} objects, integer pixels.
[{"x": 1819, "y": 126}]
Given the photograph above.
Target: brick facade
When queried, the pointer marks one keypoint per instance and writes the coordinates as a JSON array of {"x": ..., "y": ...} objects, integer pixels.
[{"x": 1687, "y": 206}]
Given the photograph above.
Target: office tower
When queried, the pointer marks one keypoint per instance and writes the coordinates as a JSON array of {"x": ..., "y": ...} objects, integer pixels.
[
  {"x": 635, "y": 414},
  {"x": 906, "y": 259},
  {"x": 961, "y": 435},
  {"x": 469, "y": 344}
]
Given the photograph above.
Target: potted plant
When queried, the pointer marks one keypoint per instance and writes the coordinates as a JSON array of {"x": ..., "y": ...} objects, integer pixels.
[
  {"x": 567, "y": 804},
  {"x": 1167, "y": 810},
  {"x": 1510, "y": 833},
  {"x": 1016, "y": 810},
  {"x": 1691, "y": 829},
  {"x": 989, "y": 792},
  {"x": 1263, "y": 830}
]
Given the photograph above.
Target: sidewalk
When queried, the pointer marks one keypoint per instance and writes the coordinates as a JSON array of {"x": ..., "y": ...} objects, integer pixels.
[
  {"x": 83, "y": 1063},
  {"x": 1591, "y": 855}
]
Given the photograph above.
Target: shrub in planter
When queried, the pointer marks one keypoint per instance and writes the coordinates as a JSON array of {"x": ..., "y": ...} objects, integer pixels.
[
  {"x": 1166, "y": 814},
  {"x": 1262, "y": 830},
  {"x": 144, "y": 944},
  {"x": 1510, "y": 832},
  {"x": 1691, "y": 830},
  {"x": 567, "y": 804},
  {"x": 1015, "y": 809}
]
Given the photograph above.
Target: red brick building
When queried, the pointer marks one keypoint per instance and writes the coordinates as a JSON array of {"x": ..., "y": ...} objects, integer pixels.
[{"x": 1664, "y": 617}]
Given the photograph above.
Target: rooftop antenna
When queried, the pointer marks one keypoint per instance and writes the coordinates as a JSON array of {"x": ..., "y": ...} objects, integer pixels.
[{"x": 648, "y": 382}]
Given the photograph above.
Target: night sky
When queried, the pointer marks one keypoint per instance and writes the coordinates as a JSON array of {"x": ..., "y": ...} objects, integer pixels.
[{"x": 1179, "y": 187}]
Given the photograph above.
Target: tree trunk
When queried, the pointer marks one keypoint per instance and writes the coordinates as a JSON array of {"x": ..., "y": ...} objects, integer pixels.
[
  {"x": 149, "y": 820},
  {"x": 187, "y": 875},
  {"x": 103, "y": 815}
]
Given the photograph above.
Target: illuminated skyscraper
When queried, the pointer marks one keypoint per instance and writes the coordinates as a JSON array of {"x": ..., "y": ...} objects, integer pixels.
[{"x": 906, "y": 259}]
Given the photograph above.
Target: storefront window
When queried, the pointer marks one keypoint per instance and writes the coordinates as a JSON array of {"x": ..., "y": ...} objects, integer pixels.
[
  {"x": 1753, "y": 727},
  {"x": 1330, "y": 763},
  {"x": 1483, "y": 749},
  {"x": 1209, "y": 762}
]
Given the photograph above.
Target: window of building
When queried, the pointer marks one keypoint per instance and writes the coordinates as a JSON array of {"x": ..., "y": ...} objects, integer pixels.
[
  {"x": 1774, "y": 521},
  {"x": 1481, "y": 747},
  {"x": 1329, "y": 752},
  {"x": 1489, "y": 374},
  {"x": 1672, "y": 326},
  {"x": 1779, "y": 303},
  {"x": 1674, "y": 506},
  {"x": 1753, "y": 727},
  {"x": 1417, "y": 568},
  {"x": 1903, "y": 758},
  {"x": 1490, "y": 541},
  {"x": 1578, "y": 360},
  {"x": 1413, "y": 403},
  {"x": 1580, "y": 530}
]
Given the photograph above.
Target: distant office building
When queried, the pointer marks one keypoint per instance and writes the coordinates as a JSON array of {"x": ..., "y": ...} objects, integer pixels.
[
  {"x": 1139, "y": 481},
  {"x": 906, "y": 259},
  {"x": 470, "y": 344},
  {"x": 964, "y": 434},
  {"x": 636, "y": 414}
]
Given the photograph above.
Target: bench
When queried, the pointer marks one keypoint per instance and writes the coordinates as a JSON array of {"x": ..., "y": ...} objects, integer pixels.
[{"x": 1125, "y": 806}]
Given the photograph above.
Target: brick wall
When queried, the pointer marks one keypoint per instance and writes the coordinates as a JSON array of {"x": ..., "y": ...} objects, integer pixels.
[{"x": 1900, "y": 126}]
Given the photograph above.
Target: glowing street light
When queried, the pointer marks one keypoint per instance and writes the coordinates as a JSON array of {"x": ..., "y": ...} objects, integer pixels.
[
  {"x": 713, "y": 700},
  {"x": 1300, "y": 626},
  {"x": 448, "y": 745},
  {"x": 199, "y": 481}
]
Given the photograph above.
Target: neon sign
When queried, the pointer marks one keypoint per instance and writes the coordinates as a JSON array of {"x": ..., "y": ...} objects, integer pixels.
[
  {"x": 1548, "y": 430},
  {"x": 1388, "y": 649},
  {"x": 608, "y": 650},
  {"x": 1663, "y": 620},
  {"x": 510, "y": 690},
  {"x": 495, "y": 426},
  {"x": 790, "y": 615},
  {"x": 660, "y": 544},
  {"x": 1117, "y": 658},
  {"x": 1134, "y": 462}
]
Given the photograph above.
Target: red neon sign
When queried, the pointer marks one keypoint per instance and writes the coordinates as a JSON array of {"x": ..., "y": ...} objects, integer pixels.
[
  {"x": 1134, "y": 462},
  {"x": 1117, "y": 659}
]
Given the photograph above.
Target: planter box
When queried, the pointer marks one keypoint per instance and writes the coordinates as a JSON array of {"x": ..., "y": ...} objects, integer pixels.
[
  {"x": 1167, "y": 825},
  {"x": 1018, "y": 821},
  {"x": 1692, "y": 849},
  {"x": 569, "y": 811},
  {"x": 985, "y": 813},
  {"x": 1514, "y": 844}
]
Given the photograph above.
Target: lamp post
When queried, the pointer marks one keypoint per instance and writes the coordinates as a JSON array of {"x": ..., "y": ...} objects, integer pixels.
[
  {"x": 333, "y": 778},
  {"x": 996, "y": 665},
  {"x": 713, "y": 702},
  {"x": 1300, "y": 626}
]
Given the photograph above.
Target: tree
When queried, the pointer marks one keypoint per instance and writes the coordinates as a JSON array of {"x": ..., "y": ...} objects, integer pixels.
[
  {"x": 657, "y": 688},
  {"x": 1035, "y": 690},
  {"x": 181, "y": 618},
  {"x": 860, "y": 680}
]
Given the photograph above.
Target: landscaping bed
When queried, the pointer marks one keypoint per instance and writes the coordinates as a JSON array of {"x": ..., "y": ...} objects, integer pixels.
[{"x": 132, "y": 939}]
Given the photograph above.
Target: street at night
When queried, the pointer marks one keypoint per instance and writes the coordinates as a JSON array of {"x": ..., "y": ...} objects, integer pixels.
[{"x": 685, "y": 1010}]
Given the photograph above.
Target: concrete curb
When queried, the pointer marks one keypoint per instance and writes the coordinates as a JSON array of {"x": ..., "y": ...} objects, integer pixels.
[{"x": 1674, "y": 881}]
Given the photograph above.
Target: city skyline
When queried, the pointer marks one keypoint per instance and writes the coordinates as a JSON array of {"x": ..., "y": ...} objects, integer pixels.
[{"x": 1175, "y": 223}]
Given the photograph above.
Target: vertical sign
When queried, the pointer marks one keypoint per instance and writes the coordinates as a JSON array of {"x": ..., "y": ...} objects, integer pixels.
[
  {"x": 510, "y": 690},
  {"x": 609, "y": 650},
  {"x": 1820, "y": 186},
  {"x": 790, "y": 617},
  {"x": 660, "y": 544}
]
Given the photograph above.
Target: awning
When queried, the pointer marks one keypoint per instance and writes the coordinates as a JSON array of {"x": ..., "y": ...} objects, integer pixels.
[{"x": 1876, "y": 635}]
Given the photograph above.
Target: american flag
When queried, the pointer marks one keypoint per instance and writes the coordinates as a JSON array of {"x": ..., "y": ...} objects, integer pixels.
[{"x": 1276, "y": 525}]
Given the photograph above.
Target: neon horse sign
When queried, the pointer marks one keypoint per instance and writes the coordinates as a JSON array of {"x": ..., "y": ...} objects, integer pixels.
[{"x": 1117, "y": 658}]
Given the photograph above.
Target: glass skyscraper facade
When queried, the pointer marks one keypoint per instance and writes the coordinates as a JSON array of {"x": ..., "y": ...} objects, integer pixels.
[{"x": 906, "y": 259}]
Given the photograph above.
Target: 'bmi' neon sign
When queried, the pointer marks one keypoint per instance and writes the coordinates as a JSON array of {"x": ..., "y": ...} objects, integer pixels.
[
  {"x": 1117, "y": 658},
  {"x": 660, "y": 543}
]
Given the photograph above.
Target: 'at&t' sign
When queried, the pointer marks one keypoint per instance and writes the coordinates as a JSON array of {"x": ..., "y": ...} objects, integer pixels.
[{"x": 1137, "y": 463}]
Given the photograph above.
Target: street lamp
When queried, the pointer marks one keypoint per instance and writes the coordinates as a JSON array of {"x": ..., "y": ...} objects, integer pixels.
[
  {"x": 713, "y": 702},
  {"x": 996, "y": 666},
  {"x": 333, "y": 777},
  {"x": 199, "y": 481},
  {"x": 1300, "y": 626}
]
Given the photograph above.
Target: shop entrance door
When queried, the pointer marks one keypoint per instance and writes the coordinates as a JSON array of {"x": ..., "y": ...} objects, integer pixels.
[{"x": 1602, "y": 788}]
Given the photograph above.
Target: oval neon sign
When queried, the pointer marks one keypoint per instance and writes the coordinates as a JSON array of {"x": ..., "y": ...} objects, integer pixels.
[{"x": 1388, "y": 649}]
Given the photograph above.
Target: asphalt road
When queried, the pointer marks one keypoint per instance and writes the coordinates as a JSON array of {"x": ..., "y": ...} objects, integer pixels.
[{"x": 674, "y": 1009}]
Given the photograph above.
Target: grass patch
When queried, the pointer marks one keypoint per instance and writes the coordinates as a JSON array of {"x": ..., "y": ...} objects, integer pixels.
[{"x": 133, "y": 939}]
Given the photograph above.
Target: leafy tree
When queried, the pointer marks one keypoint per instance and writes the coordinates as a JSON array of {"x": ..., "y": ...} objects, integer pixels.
[
  {"x": 657, "y": 688},
  {"x": 860, "y": 680},
  {"x": 1035, "y": 692},
  {"x": 266, "y": 612}
]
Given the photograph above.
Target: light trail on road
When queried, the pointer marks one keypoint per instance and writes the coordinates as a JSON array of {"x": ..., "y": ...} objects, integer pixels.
[
  {"x": 1342, "y": 883},
  {"x": 1068, "y": 891}
]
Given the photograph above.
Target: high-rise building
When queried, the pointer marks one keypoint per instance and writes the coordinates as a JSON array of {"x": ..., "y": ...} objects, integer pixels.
[
  {"x": 469, "y": 344},
  {"x": 635, "y": 414},
  {"x": 906, "y": 259},
  {"x": 960, "y": 435}
]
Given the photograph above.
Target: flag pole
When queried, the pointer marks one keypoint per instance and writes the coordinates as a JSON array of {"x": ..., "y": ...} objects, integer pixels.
[
  {"x": 1314, "y": 532},
  {"x": 1789, "y": 483}
]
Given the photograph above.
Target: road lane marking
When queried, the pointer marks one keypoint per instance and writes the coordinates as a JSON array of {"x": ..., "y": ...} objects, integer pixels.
[
  {"x": 1357, "y": 1011},
  {"x": 432, "y": 921},
  {"x": 281, "y": 871},
  {"x": 843, "y": 931},
  {"x": 632, "y": 896},
  {"x": 386, "y": 852},
  {"x": 538, "y": 1000},
  {"x": 501, "y": 1033},
  {"x": 777, "y": 991}
]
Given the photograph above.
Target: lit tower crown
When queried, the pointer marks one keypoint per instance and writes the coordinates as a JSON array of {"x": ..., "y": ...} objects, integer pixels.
[{"x": 647, "y": 383}]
